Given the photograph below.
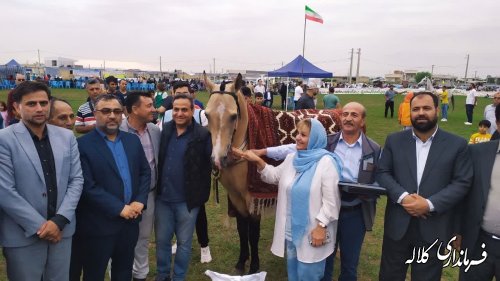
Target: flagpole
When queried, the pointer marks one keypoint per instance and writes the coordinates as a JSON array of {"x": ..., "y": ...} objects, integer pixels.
[{"x": 304, "y": 44}]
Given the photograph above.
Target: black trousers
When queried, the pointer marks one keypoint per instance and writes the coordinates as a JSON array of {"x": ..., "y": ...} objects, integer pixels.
[
  {"x": 393, "y": 266},
  {"x": 389, "y": 104},
  {"x": 490, "y": 267},
  {"x": 202, "y": 227},
  {"x": 469, "y": 110},
  {"x": 283, "y": 102},
  {"x": 97, "y": 250}
]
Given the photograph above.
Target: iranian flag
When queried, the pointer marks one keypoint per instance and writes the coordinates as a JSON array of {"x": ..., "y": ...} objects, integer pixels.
[{"x": 312, "y": 15}]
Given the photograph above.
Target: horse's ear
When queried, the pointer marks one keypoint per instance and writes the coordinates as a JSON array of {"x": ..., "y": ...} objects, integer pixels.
[
  {"x": 208, "y": 83},
  {"x": 238, "y": 83}
]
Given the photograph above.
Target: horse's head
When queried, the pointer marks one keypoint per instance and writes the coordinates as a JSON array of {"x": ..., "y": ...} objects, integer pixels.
[{"x": 223, "y": 113}]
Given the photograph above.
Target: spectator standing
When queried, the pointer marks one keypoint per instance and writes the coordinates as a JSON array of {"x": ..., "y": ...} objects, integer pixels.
[
  {"x": 299, "y": 91},
  {"x": 307, "y": 100},
  {"x": 389, "y": 101},
  {"x": 489, "y": 112},
  {"x": 330, "y": 100},
  {"x": 61, "y": 114},
  {"x": 117, "y": 180},
  {"x": 444, "y": 104},
  {"x": 260, "y": 88},
  {"x": 404, "y": 112},
  {"x": 141, "y": 111},
  {"x": 85, "y": 119},
  {"x": 470, "y": 103},
  {"x": 183, "y": 186},
  {"x": 422, "y": 200},
  {"x": 40, "y": 185}
]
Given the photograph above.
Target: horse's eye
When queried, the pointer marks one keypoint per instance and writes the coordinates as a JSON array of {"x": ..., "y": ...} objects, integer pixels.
[{"x": 233, "y": 117}]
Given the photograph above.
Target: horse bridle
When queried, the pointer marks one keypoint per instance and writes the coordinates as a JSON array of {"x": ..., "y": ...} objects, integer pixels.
[
  {"x": 233, "y": 94},
  {"x": 243, "y": 146}
]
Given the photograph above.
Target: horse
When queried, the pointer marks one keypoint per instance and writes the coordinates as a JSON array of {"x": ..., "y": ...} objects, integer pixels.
[{"x": 228, "y": 123}]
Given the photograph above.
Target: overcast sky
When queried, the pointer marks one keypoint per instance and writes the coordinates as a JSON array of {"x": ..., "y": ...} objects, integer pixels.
[{"x": 257, "y": 34}]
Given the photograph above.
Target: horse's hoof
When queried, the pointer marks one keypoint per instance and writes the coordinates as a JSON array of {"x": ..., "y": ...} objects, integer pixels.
[
  {"x": 254, "y": 268},
  {"x": 240, "y": 267}
]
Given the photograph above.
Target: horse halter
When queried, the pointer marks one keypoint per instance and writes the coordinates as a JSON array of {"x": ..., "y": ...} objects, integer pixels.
[{"x": 233, "y": 94}]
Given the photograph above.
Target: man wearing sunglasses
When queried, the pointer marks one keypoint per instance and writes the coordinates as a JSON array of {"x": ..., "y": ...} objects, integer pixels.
[{"x": 117, "y": 180}]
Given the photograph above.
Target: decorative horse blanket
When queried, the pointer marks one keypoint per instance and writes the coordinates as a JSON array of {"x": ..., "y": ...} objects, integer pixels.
[{"x": 268, "y": 128}]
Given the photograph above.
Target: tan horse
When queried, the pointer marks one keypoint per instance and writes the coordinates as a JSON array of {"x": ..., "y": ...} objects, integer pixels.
[
  {"x": 227, "y": 121},
  {"x": 227, "y": 115}
]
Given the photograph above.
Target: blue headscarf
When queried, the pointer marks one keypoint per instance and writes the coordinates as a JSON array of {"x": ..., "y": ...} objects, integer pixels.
[{"x": 305, "y": 162}]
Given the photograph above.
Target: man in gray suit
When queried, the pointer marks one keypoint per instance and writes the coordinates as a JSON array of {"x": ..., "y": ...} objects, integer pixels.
[
  {"x": 40, "y": 185},
  {"x": 140, "y": 108},
  {"x": 481, "y": 223},
  {"x": 426, "y": 171}
]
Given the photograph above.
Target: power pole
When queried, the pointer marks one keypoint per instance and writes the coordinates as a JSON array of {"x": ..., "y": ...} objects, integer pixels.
[
  {"x": 350, "y": 68},
  {"x": 475, "y": 75},
  {"x": 160, "y": 67},
  {"x": 104, "y": 69},
  {"x": 214, "y": 67},
  {"x": 357, "y": 69},
  {"x": 432, "y": 71},
  {"x": 39, "y": 64},
  {"x": 466, "y": 68}
]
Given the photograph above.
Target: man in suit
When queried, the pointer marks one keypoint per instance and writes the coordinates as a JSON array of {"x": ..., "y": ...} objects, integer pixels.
[
  {"x": 481, "y": 223},
  {"x": 117, "y": 180},
  {"x": 184, "y": 176},
  {"x": 40, "y": 185},
  {"x": 426, "y": 172},
  {"x": 141, "y": 111}
]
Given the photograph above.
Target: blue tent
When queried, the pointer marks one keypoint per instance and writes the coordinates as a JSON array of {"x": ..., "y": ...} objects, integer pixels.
[
  {"x": 302, "y": 68},
  {"x": 12, "y": 63}
]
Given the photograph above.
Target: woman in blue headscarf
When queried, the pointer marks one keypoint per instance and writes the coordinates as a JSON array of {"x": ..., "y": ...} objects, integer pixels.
[{"x": 308, "y": 202}]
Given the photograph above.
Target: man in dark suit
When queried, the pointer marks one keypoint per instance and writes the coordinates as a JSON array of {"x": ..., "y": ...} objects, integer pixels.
[
  {"x": 117, "y": 180},
  {"x": 40, "y": 185},
  {"x": 481, "y": 223},
  {"x": 426, "y": 171}
]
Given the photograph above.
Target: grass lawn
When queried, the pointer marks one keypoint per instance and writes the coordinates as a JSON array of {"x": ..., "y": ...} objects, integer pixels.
[{"x": 224, "y": 242}]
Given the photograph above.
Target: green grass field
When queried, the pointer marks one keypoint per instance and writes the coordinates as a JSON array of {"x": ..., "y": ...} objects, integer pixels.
[{"x": 222, "y": 230}]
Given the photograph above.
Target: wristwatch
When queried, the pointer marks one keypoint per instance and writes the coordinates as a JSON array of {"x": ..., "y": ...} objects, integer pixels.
[{"x": 322, "y": 224}]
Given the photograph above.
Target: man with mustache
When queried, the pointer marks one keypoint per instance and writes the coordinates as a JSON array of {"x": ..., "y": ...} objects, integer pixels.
[
  {"x": 117, "y": 180},
  {"x": 426, "y": 172},
  {"x": 359, "y": 155}
]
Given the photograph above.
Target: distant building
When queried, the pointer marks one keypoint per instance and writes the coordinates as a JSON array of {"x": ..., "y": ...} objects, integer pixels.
[{"x": 59, "y": 62}]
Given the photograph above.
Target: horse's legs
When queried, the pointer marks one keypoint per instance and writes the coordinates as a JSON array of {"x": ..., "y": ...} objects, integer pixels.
[
  {"x": 254, "y": 236},
  {"x": 242, "y": 224}
]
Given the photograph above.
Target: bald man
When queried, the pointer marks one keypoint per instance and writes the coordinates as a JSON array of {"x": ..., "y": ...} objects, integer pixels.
[
  {"x": 61, "y": 114},
  {"x": 360, "y": 156}
]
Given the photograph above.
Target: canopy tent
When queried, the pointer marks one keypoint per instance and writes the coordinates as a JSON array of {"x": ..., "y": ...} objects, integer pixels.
[
  {"x": 301, "y": 68},
  {"x": 12, "y": 63}
]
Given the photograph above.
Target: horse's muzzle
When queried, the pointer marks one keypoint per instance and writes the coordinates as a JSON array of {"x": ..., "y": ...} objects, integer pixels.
[{"x": 220, "y": 162}]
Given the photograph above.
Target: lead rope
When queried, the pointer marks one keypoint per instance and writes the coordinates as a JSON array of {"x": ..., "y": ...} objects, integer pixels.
[{"x": 215, "y": 183}]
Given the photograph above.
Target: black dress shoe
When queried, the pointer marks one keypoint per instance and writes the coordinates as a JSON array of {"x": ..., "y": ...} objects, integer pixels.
[{"x": 138, "y": 279}]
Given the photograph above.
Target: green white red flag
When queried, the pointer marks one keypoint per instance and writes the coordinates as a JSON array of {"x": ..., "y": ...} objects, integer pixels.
[{"x": 312, "y": 15}]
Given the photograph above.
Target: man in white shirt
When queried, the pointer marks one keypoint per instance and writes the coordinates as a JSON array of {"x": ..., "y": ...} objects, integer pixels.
[
  {"x": 489, "y": 112},
  {"x": 470, "y": 102},
  {"x": 298, "y": 93},
  {"x": 260, "y": 88}
]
